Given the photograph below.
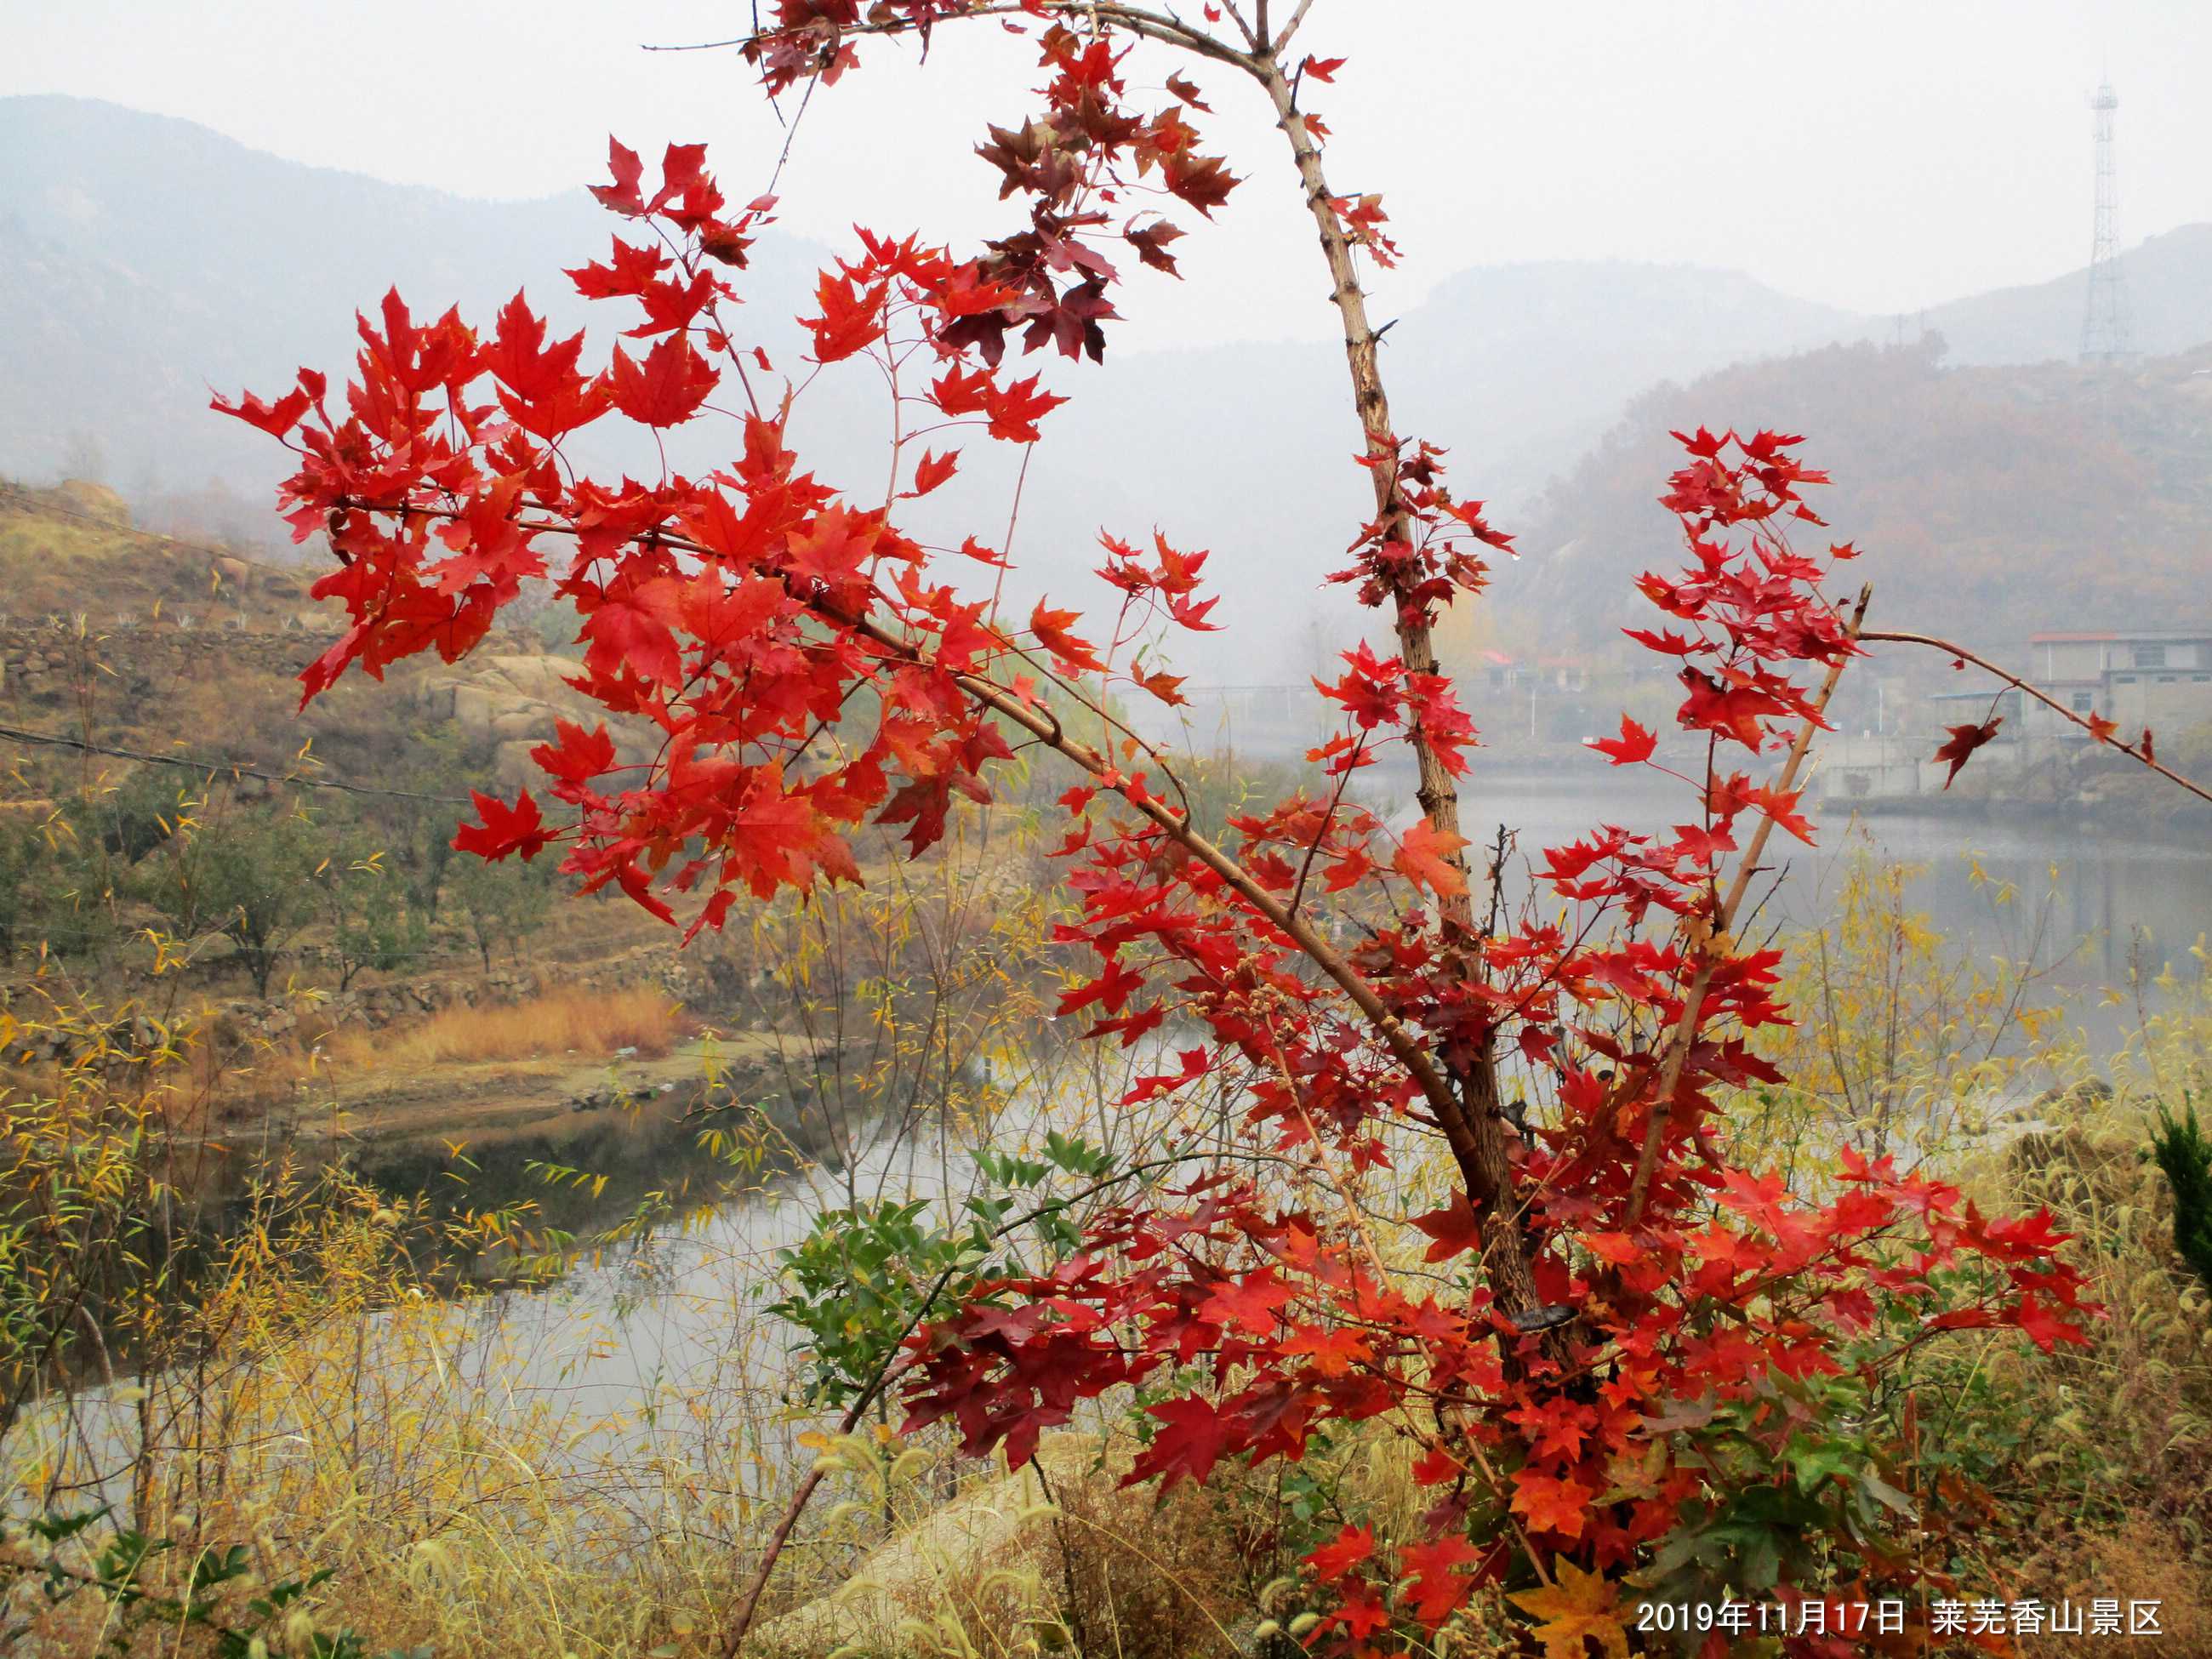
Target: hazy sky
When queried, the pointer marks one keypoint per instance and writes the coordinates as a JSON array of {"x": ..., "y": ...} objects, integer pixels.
[{"x": 1874, "y": 154}]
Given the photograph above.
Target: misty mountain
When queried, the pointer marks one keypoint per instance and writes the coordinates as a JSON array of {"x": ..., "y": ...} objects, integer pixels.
[
  {"x": 2169, "y": 288},
  {"x": 1988, "y": 503},
  {"x": 145, "y": 259}
]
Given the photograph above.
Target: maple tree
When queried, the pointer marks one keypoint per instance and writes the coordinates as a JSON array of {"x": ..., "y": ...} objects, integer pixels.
[{"x": 1622, "y": 1351}]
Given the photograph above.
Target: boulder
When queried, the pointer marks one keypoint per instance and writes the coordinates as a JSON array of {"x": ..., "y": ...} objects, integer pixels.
[
  {"x": 511, "y": 763},
  {"x": 991, "y": 1560},
  {"x": 475, "y": 707}
]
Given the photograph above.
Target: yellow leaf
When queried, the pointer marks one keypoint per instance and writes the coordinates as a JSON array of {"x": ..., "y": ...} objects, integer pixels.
[{"x": 1581, "y": 1605}]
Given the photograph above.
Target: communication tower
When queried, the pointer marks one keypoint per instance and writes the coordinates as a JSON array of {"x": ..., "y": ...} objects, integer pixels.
[{"x": 2105, "y": 323}]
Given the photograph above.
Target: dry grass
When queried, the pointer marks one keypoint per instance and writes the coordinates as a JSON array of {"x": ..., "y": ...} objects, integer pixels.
[
  {"x": 588, "y": 1024},
  {"x": 2145, "y": 1561}
]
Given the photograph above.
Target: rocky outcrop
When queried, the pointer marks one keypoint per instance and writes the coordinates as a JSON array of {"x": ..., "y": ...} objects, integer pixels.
[
  {"x": 1006, "y": 1555},
  {"x": 512, "y": 700}
]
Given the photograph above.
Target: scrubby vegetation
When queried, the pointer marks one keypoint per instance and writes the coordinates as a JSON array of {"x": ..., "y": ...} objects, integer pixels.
[{"x": 288, "y": 1385}]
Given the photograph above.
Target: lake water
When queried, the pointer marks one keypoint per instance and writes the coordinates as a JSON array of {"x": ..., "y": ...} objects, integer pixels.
[
  {"x": 2112, "y": 887},
  {"x": 2093, "y": 888}
]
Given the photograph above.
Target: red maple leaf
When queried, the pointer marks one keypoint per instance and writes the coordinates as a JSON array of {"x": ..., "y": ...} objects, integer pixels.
[
  {"x": 276, "y": 419},
  {"x": 1192, "y": 1438},
  {"x": 631, "y": 628},
  {"x": 1016, "y": 409},
  {"x": 851, "y": 318},
  {"x": 629, "y": 269},
  {"x": 1551, "y": 1503},
  {"x": 1167, "y": 688},
  {"x": 1781, "y": 805},
  {"x": 1453, "y": 1230},
  {"x": 519, "y": 357},
  {"x": 1962, "y": 742},
  {"x": 504, "y": 829},
  {"x": 828, "y": 554},
  {"x": 776, "y": 839},
  {"x": 578, "y": 756},
  {"x": 621, "y": 196},
  {"x": 1342, "y": 1553},
  {"x": 667, "y": 389},
  {"x": 724, "y": 615},
  {"x": 961, "y": 390},
  {"x": 1201, "y": 180},
  {"x": 1633, "y": 744},
  {"x": 2047, "y": 1326},
  {"x": 1248, "y": 1304},
  {"x": 932, "y": 471},
  {"x": 1051, "y": 628},
  {"x": 1422, "y": 858},
  {"x": 487, "y": 546},
  {"x": 1734, "y": 711},
  {"x": 672, "y": 304},
  {"x": 1333, "y": 1351},
  {"x": 1439, "y": 1589}
]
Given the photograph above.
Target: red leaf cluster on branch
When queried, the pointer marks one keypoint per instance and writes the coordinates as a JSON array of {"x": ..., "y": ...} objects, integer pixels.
[{"x": 1602, "y": 1282}]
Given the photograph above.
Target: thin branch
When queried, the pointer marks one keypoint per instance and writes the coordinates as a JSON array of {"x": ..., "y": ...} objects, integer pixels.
[
  {"x": 1282, "y": 41},
  {"x": 1327, "y": 822},
  {"x": 1154, "y": 26},
  {"x": 2133, "y": 751},
  {"x": 1678, "y": 1045}
]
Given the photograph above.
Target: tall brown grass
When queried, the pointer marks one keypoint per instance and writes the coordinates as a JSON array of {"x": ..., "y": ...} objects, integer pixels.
[{"x": 587, "y": 1025}]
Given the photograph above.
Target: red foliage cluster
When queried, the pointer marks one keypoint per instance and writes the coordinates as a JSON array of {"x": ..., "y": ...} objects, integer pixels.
[{"x": 1606, "y": 1300}]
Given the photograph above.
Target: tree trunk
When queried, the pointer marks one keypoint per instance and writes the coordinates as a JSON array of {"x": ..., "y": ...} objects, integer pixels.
[{"x": 1476, "y": 1132}]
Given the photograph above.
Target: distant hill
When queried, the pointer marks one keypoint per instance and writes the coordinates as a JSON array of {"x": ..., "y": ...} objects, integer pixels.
[
  {"x": 1988, "y": 502},
  {"x": 145, "y": 259},
  {"x": 72, "y": 551},
  {"x": 2169, "y": 287}
]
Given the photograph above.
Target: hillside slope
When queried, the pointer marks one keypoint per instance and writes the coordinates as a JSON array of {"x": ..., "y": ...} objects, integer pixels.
[
  {"x": 2169, "y": 287},
  {"x": 1989, "y": 503},
  {"x": 151, "y": 643}
]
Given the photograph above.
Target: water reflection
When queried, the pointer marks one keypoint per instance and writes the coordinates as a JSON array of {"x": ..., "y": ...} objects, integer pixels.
[{"x": 2089, "y": 891}]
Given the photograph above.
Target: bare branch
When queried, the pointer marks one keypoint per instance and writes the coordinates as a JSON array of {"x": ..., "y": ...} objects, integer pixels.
[
  {"x": 2133, "y": 751},
  {"x": 1281, "y": 43},
  {"x": 1157, "y": 25}
]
